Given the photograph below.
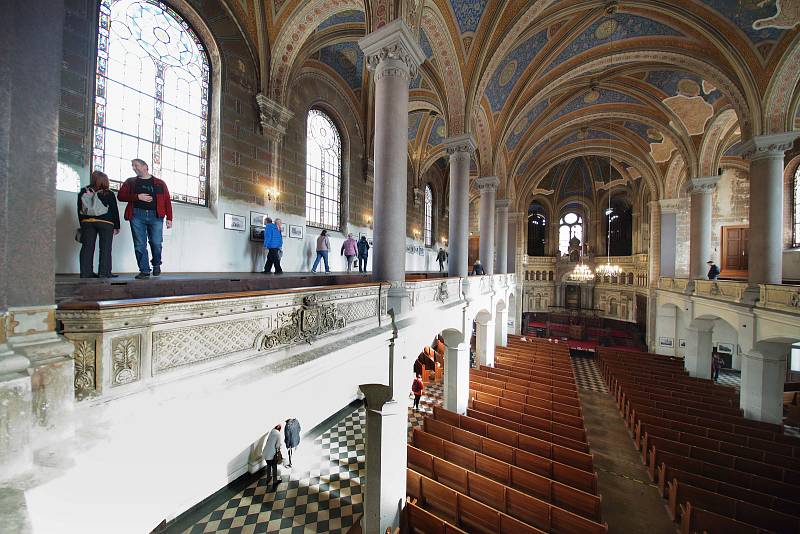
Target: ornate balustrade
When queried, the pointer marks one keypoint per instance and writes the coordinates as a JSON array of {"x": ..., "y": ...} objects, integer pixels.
[
  {"x": 779, "y": 298},
  {"x": 720, "y": 289}
]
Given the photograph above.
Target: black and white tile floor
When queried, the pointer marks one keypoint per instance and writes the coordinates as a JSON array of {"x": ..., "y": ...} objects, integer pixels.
[
  {"x": 320, "y": 494},
  {"x": 587, "y": 374}
]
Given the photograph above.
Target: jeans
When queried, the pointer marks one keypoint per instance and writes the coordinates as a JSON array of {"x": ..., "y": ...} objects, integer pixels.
[
  {"x": 441, "y": 266},
  {"x": 90, "y": 232},
  {"x": 349, "y": 263},
  {"x": 324, "y": 255},
  {"x": 273, "y": 258},
  {"x": 147, "y": 226},
  {"x": 362, "y": 264}
]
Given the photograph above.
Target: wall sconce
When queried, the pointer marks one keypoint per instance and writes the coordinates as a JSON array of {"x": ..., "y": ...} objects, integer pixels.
[
  {"x": 368, "y": 219},
  {"x": 416, "y": 233},
  {"x": 271, "y": 193}
]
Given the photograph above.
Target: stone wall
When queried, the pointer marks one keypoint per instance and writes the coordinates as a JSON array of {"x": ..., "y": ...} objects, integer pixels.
[{"x": 730, "y": 206}]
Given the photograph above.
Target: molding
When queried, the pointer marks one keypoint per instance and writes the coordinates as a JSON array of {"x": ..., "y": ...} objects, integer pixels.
[
  {"x": 460, "y": 144},
  {"x": 767, "y": 146},
  {"x": 487, "y": 184},
  {"x": 274, "y": 117},
  {"x": 394, "y": 41},
  {"x": 502, "y": 204},
  {"x": 671, "y": 205},
  {"x": 704, "y": 185}
]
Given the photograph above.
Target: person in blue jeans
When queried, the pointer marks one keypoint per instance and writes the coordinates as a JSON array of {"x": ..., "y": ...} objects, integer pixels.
[
  {"x": 323, "y": 248},
  {"x": 273, "y": 242}
]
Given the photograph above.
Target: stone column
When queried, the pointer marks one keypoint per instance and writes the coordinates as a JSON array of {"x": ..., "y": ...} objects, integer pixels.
[
  {"x": 765, "y": 247},
  {"x": 460, "y": 149},
  {"x": 484, "y": 342},
  {"x": 386, "y": 439},
  {"x": 36, "y": 371},
  {"x": 393, "y": 55},
  {"x": 697, "y": 358},
  {"x": 488, "y": 187},
  {"x": 763, "y": 375},
  {"x": 700, "y": 226},
  {"x": 501, "y": 328},
  {"x": 666, "y": 238},
  {"x": 456, "y": 374},
  {"x": 501, "y": 235}
]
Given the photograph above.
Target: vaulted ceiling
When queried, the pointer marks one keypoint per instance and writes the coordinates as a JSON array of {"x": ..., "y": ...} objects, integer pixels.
[{"x": 663, "y": 89}]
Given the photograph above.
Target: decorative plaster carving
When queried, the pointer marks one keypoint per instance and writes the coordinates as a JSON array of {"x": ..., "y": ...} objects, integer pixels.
[
  {"x": 126, "y": 360},
  {"x": 418, "y": 196},
  {"x": 460, "y": 145},
  {"x": 274, "y": 117},
  {"x": 442, "y": 294},
  {"x": 306, "y": 323},
  {"x": 487, "y": 184},
  {"x": 767, "y": 146},
  {"x": 704, "y": 185},
  {"x": 85, "y": 356},
  {"x": 393, "y": 41}
]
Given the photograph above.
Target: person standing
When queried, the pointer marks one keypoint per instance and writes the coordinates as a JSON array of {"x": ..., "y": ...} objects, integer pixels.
[
  {"x": 416, "y": 388},
  {"x": 716, "y": 365},
  {"x": 713, "y": 270},
  {"x": 149, "y": 203},
  {"x": 99, "y": 217},
  {"x": 441, "y": 257},
  {"x": 323, "y": 248},
  {"x": 349, "y": 250},
  {"x": 273, "y": 242},
  {"x": 477, "y": 268},
  {"x": 271, "y": 449},
  {"x": 363, "y": 254},
  {"x": 291, "y": 437}
]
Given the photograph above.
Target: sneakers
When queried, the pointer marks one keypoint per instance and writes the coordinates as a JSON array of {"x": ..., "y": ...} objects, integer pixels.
[
  {"x": 142, "y": 276},
  {"x": 156, "y": 270}
]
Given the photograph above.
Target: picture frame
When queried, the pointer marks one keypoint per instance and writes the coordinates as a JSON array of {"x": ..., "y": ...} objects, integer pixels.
[
  {"x": 235, "y": 222},
  {"x": 257, "y": 233},
  {"x": 257, "y": 218},
  {"x": 665, "y": 342},
  {"x": 725, "y": 348},
  {"x": 369, "y": 240},
  {"x": 295, "y": 231},
  {"x": 682, "y": 343},
  {"x": 421, "y": 251},
  {"x": 284, "y": 230}
]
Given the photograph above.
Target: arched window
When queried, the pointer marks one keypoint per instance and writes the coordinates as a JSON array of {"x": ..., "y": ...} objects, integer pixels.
[
  {"x": 323, "y": 171},
  {"x": 151, "y": 97},
  {"x": 612, "y": 306},
  {"x": 620, "y": 224},
  {"x": 570, "y": 225},
  {"x": 537, "y": 230},
  {"x": 428, "y": 222},
  {"x": 796, "y": 209}
]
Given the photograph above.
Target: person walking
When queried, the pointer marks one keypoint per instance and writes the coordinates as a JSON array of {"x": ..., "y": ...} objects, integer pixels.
[
  {"x": 363, "y": 254},
  {"x": 323, "y": 248},
  {"x": 272, "y": 454},
  {"x": 716, "y": 365},
  {"x": 99, "y": 218},
  {"x": 273, "y": 242},
  {"x": 713, "y": 270},
  {"x": 291, "y": 437},
  {"x": 441, "y": 257},
  {"x": 349, "y": 250},
  {"x": 477, "y": 268},
  {"x": 149, "y": 203},
  {"x": 416, "y": 388}
]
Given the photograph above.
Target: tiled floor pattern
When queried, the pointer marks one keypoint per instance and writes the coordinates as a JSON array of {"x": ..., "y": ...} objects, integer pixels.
[
  {"x": 321, "y": 493},
  {"x": 587, "y": 374},
  {"x": 730, "y": 377}
]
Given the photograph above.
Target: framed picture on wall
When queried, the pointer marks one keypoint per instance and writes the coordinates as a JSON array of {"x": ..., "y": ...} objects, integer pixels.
[
  {"x": 256, "y": 218},
  {"x": 284, "y": 230},
  {"x": 421, "y": 251},
  {"x": 665, "y": 342},
  {"x": 257, "y": 233},
  {"x": 369, "y": 240},
  {"x": 725, "y": 348},
  {"x": 295, "y": 232},
  {"x": 682, "y": 343},
  {"x": 235, "y": 222}
]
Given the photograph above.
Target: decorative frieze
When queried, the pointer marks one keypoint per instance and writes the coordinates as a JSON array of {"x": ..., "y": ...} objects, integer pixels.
[
  {"x": 304, "y": 324},
  {"x": 779, "y": 297},
  {"x": 704, "y": 185},
  {"x": 460, "y": 145},
  {"x": 767, "y": 146},
  {"x": 85, "y": 359},
  {"x": 391, "y": 46},
  {"x": 126, "y": 360}
]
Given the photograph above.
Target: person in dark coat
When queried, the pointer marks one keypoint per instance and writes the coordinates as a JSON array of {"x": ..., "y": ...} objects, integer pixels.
[
  {"x": 291, "y": 437},
  {"x": 477, "y": 268},
  {"x": 363, "y": 254},
  {"x": 713, "y": 270},
  {"x": 441, "y": 257},
  {"x": 102, "y": 223}
]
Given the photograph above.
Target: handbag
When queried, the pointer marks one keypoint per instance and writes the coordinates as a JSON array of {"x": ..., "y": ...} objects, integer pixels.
[
  {"x": 278, "y": 455},
  {"x": 79, "y": 235},
  {"x": 91, "y": 204}
]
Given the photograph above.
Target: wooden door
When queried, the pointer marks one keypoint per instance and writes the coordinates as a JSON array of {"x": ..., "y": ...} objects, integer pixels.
[
  {"x": 734, "y": 251},
  {"x": 473, "y": 252}
]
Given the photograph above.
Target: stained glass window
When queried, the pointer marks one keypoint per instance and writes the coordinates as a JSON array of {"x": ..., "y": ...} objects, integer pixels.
[
  {"x": 571, "y": 225},
  {"x": 323, "y": 171},
  {"x": 151, "y": 97},
  {"x": 428, "y": 226},
  {"x": 796, "y": 209}
]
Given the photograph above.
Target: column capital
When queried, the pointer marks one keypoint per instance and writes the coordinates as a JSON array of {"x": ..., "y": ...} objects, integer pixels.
[
  {"x": 502, "y": 204},
  {"x": 460, "y": 144},
  {"x": 394, "y": 41},
  {"x": 487, "y": 184},
  {"x": 671, "y": 205},
  {"x": 274, "y": 117},
  {"x": 767, "y": 146},
  {"x": 704, "y": 184}
]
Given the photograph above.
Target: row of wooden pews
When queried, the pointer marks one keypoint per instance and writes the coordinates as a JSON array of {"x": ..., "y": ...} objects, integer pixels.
[
  {"x": 516, "y": 462},
  {"x": 719, "y": 471}
]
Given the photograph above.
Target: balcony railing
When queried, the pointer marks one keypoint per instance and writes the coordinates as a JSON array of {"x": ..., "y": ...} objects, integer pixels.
[{"x": 782, "y": 298}]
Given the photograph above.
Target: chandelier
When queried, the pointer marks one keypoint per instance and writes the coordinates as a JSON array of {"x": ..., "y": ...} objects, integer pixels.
[{"x": 581, "y": 273}]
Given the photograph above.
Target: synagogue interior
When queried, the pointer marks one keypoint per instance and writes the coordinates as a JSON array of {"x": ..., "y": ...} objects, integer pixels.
[{"x": 399, "y": 266}]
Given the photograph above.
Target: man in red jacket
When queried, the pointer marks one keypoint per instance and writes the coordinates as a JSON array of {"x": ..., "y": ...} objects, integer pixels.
[{"x": 149, "y": 203}]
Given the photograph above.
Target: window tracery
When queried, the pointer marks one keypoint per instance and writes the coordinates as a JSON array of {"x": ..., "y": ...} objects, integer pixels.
[
  {"x": 428, "y": 220},
  {"x": 570, "y": 225},
  {"x": 323, "y": 171}
]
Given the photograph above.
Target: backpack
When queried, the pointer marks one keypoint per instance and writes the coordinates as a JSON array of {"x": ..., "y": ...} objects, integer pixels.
[{"x": 91, "y": 204}]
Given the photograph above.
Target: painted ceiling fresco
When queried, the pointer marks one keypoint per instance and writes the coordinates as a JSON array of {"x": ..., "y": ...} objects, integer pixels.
[
  {"x": 345, "y": 17},
  {"x": 760, "y": 20},
  {"x": 511, "y": 69},
  {"x": 468, "y": 13},
  {"x": 347, "y": 60}
]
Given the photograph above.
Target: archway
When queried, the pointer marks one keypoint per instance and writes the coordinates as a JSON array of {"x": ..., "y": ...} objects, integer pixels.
[
  {"x": 764, "y": 371},
  {"x": 705, "y": 335}
]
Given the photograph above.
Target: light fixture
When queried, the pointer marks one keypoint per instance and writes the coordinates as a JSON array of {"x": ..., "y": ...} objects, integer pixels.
[
  {"x": 582, "y": 272},
  {"x": 271, "y": 193}
]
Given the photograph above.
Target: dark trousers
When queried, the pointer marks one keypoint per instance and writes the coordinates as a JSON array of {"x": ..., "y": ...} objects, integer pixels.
[
  {"x": 362, "y": 264},
  {"x": 273, "y": 258},
  {"x": 715, "y": 374},
  {"x": 272, "y": 469},
  {"x": 90, "y": 231},
  {"x": 416, "y": 401}
]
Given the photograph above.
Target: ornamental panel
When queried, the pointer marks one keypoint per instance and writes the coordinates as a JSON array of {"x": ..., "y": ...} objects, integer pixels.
[{"x": 126, "y": 360}]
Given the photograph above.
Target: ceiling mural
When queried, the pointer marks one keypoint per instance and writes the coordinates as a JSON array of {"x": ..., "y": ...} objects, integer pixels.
[
  {"x": 593, "y": 97},
  {"x": 468, "y": 14},
  {"x": 345, "y": 17},
  {"x": 760, "y": 20},
  {"x": 414, "y": 121},
  {"x": 511, "y": 68},
  {"x": 438, "y": 133},
  {"x": 347, "y": 60}
]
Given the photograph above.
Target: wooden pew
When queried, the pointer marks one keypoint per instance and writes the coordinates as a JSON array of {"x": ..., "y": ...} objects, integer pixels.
[
  {"x": 530, "y": 431},
  {"x": 530, "y": 409},
  {"x": 697, "y": 520},
  {"x": 541, "y": 393},
  {"x": 500, "y": 376},
  {"x": 420, "y": 521},
  {"x": 570, "y": 432},
  {"x": 532, "y": 400}
]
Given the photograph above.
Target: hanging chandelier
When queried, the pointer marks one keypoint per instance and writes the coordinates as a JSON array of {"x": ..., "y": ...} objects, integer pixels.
[{"x": 581, "y": 273}]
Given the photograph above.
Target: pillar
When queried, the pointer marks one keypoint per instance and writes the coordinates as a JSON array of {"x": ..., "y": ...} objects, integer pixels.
[
  {"x": 697, "y": 358},
  {"x": 765, "y": 247},
  {"x": 700, "y": 226},
  {"x": 667, "y": 237},
  {"x": 460, "y": 149},
  {"x": 456, "y": 374},
  {"x": 36, "y": 371},
  {"x": 274, "y": 120},
  {"x": 501, "y": 235},
  {"x": 488, "y": 187},
  {"x": 763, "y": 375},
  {"x": 501, "y": 328},
  {"x": 393, "y": 55},
  {"x": 386, "y": 438},
  {"x": 484, "y": 342}
]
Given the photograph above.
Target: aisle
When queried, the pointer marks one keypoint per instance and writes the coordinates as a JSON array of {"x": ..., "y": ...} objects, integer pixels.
[{"x": 631, "y": 503}]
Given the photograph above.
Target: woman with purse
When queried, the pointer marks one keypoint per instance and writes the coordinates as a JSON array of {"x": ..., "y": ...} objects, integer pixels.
[
  {"x": 99, "y": 217},
  {"x": 272, "y": 454}
]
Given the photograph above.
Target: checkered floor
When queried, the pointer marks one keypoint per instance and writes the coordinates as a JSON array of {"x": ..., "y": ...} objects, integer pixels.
[
  {"x": 730, "y": 377},
  {"x": 587, "y": 374},
  {"x": 321, "y": 493}
]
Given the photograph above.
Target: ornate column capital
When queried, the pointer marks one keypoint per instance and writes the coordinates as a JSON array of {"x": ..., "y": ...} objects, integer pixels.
[
  {"x": 464, "y": 143},
  {"x": 671, "y": 205},
  {"x": 392, "y": 50},
  {"x": 704, "y": 185},
  {"x": 767, "y": 146},
  {"x": 274, "y": 117},
  {"x": 487, "y": 184},
  {"x": 502, "y": 204},
  {"x": 516, "y": 216}
]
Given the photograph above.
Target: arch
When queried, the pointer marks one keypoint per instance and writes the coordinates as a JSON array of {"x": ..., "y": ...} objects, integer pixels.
[
  {"x": 779, "y": 99},
  {"x": 427, "y": 220},
  {"x": 712, "y": 144}
]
